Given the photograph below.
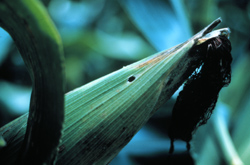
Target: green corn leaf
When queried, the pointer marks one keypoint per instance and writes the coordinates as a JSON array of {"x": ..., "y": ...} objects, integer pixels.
[
  {"x": 2, "y": 142},
  {"x": 102, "y": 116},
  {"x": 39, "y": 43}
]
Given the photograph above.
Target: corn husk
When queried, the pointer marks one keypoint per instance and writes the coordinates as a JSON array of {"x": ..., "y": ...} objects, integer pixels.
[{"x": 101, "y": 117}]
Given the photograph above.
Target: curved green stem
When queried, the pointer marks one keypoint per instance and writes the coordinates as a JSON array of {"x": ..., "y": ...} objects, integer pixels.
[
  {"x": 41, "y": 48},
  {"x": 102, "y": 116}
]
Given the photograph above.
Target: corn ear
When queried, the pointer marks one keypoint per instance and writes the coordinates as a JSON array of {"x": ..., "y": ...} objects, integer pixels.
[
  {"x": 108, "y": 112},
  {"x": 102, "y": 116}
]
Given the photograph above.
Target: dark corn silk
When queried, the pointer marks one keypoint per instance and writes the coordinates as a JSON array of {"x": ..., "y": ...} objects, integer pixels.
[{"x": 197, "y": 100}]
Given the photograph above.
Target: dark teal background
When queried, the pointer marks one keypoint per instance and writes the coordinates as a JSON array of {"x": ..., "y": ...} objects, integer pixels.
[{"x": 101, "y": 36}]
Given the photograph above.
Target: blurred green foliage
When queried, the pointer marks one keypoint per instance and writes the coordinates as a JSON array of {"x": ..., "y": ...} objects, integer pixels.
[{"x": 101, "y": 36}]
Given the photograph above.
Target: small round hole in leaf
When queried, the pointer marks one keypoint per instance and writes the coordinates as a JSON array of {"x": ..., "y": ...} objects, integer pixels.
[{"x": 131, "y": 78}]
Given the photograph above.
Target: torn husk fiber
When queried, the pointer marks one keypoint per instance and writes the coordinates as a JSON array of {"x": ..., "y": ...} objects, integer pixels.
[
  {"x": 101, "y": 117},
  {"x": 197, "y": 100}
]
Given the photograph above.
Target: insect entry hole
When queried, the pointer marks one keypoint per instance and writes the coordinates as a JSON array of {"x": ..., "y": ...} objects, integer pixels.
[{"x": 131, "y": 78}]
